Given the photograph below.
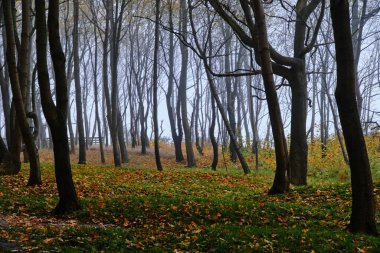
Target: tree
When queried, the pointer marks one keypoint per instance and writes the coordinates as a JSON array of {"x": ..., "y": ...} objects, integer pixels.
[
  {"x": 258, "y": 40},
  {"x": 111, "y": 119},
  {"x": 183, "y": 87},
  {"x": 78, "y": 95},
  {"x": 10, "y": 163},
  {"x": 155, "y": 88},
  {"x": 363, "y": 202},
  {"x": 55, "y": 114},
  {"x": 230, "y": 90},
  {"x": 359, "y": 20},
  {"x": 94, "y": 63},
  {"x": 201, "y": 52},
  {"x": 116, "y": 26},
  {"x": 280, "y": 183},
  {"x": 19, "y": 79},
  {"x": 177, "y": 137},
  {"x": 4, "y": 85},
  {"x": 292, "y": 69}
]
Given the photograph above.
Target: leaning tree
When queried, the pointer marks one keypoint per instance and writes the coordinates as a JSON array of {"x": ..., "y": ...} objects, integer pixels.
[
  {"x": 363, "y": 201},
  {"x": 55, "y": 113}
]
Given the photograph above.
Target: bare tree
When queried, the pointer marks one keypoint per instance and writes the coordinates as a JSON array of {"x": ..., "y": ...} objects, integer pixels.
[
  {"x": 183, "y": 87},
  {"x": 155, "y": 87},
  {"x": 177, "y": 139},
  {"x": 19, "y": 79},
  {"x": 78, "y": 96},
  {"x": 94, "y": 62},
  {"x": 363, "y": 200},
  {"x": 55, "y": 114}
]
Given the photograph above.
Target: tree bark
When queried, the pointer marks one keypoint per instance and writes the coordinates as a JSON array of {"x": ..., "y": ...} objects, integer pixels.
[
  {"x": 229, "y": 90},
  {"x": 111, "y": 125},
  {"x": 281, "y": 183},
  {"x": 78, "y": 95},
  {"x": 298, "y": 140},
  {"x": 169, "y": 95},
  {"x": 182, "y": 94},
  {"x": 363, "y": 202},
  {"x": 96, "y": 94},
  {"x": 56, "y": 115},
  {"x": 155, "y": 88},
  {"x": 120, "y": 135},
  {"x": 19, "y": 79},
  {"x": 4, "y": 84}
]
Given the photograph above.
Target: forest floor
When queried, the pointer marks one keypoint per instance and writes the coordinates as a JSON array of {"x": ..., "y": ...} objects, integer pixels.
[{"x": 136, "y": 208}]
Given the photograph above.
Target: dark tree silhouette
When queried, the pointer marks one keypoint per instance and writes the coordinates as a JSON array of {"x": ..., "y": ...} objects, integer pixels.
[
  {"x": 363, "y": 201},
  {"x": 55, "y": 114}
]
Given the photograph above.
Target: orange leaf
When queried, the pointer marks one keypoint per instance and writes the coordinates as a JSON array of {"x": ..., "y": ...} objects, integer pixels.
[{"x": 126, "y": 222}]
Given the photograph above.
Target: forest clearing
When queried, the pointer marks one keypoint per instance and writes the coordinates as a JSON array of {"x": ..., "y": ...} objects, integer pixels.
[
  {"x": 189, "y": 126},
  {"x": 137, "y": 208}
]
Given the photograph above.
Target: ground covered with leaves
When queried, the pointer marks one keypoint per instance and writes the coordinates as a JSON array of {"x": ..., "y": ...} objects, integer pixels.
[{"x": 136, "y": 208}]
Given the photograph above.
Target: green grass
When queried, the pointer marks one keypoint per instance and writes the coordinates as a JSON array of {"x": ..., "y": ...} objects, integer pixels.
[{"x": 129, "y": 210}]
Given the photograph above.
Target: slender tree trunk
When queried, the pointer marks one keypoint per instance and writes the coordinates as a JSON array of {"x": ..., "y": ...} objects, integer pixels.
[
  {"x": 169, "y": 95},
  {"x": 120, "y": 135},
  {"x": 96, "y": 94},
  {"x": 363, "y": 201},
  {"x": 227, "y": 123},
  {"x": 4, "y": 84},
  {"x": 70, "y": 127},
  {"x": 214, "y": 143},
  {"x": 142, "y": 124},
  {"x": 183, "y": 87},
  {"x": 78, "y": 96},
  {"x": 19, "y": 79},
  {"x": 230, "y": 91},
  {"x": 196, "y": 110},
  {"x": 253, "y": 120},
  {"x": 110, "y": 117},
  {"x": 281, "y": 183},
  {"x": 155, "y": 88},
  {"x": 56, "y": 115}
]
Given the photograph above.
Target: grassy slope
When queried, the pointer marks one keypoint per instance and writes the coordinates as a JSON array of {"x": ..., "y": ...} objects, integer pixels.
[{"x": 136, "y": 208}]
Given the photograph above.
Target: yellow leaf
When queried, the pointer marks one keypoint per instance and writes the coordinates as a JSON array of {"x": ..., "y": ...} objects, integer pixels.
[
  {"x": 126, "y": 222},
  {"x": 48, "y": 240},
  {"x": 197, "y": 231}
]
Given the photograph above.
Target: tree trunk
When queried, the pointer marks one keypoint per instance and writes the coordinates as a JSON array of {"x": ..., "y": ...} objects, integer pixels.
[
  {"x": 106, "y": 89},
  {"x": 230, "y": 92},
  {"x": 155, "y": 88},
  {"x": 226, "y": 123},
  {"x": 19, "y": 79},
  {"x": 298, "y": 142},
  {"x": 4, "y": 84},
  {"x": 56, "y": 115},
  {"x": 78, "y": 96},
  {"x": 214, "y": 143},
  {"x": 281, "y": 183},
  {"x": 169, "y": 95},
  {"x": 363, "y": 200},
  {"x": 183, "y": 87},
  {"x": 120, "y": 135},
  {"x": 96, "y": 94},
  {"x": 68, "y": 200}
]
